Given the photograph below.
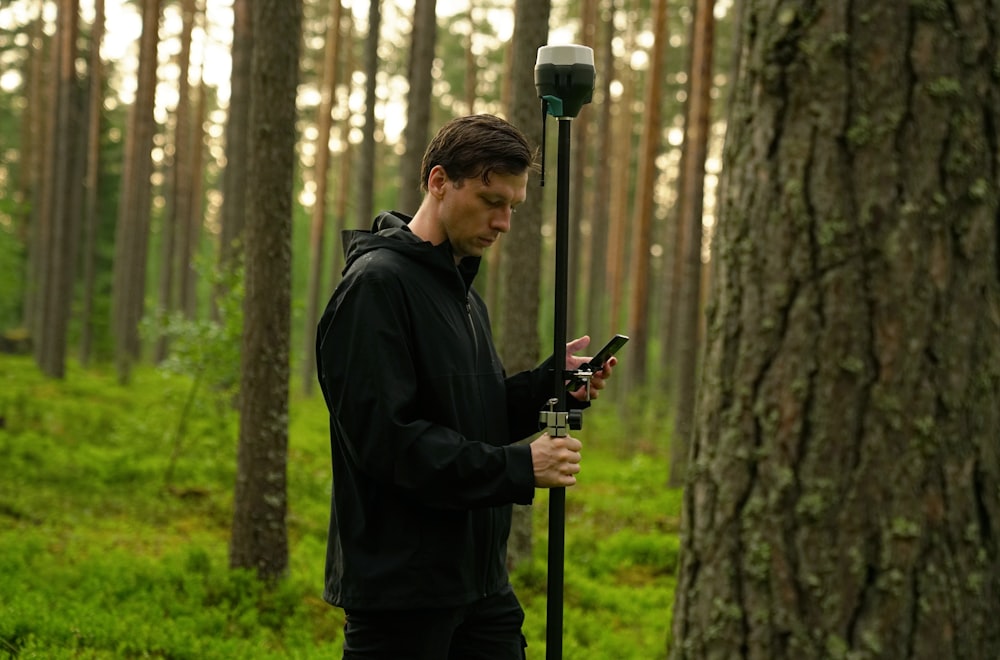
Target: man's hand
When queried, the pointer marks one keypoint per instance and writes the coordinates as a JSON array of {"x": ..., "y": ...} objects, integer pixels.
[
  {"x": 556, "y": 460},
  {"x": 573, "y": 362}
]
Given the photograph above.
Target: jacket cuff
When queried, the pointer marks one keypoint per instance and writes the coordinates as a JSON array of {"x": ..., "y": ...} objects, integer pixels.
[{"x": 522, "y": 472}]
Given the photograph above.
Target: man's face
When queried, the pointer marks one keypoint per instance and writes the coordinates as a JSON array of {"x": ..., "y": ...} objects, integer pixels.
[{"x": 473, "y": 214}]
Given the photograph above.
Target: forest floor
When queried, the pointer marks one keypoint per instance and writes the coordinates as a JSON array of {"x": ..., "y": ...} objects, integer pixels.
[{"x": 115, "y": 514}]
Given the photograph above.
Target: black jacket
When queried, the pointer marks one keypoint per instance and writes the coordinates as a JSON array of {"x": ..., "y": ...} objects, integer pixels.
[{"x": 422, "y": 417}]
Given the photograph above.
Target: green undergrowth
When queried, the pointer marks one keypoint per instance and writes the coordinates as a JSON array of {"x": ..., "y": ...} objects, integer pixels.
[{"x": 115, "y": 513}]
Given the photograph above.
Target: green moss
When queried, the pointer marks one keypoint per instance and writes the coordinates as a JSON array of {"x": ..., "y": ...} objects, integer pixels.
[{"x": 945, "y": 88}]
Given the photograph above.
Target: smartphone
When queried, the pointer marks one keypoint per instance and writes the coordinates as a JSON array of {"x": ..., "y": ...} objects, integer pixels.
[{"x": 597, "y": 362}]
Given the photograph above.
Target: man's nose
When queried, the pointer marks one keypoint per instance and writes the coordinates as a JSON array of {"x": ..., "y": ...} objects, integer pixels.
[{"x": 501, "y": 220}]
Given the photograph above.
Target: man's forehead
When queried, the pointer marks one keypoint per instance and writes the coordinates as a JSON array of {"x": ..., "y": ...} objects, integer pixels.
[{"x": 502, "y": 184}]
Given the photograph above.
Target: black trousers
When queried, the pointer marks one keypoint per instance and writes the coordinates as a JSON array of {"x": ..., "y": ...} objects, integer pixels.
[{"x": 489, "y": 629}]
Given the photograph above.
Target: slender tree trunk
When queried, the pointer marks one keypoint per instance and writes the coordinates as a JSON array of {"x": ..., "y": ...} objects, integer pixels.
[
  {"x": 132, "y": 231},
  {"x": 494, "y": 257},
  {"x": 642, "y": 235},
  {"x": 317, "y": 225},
  {"x": 260, "y": 536},
  {"x": 423, "y": 39},
  {"x": 174, "y": 229},
  {"x": 580, "y": 215},
  {"x": 844, "y": 493},
  {"x": 597, "y": 287},
  {"x": 689, "y": 309},
  {"x": 33, "y": 185},
  {"x": 234, "y": 178},
  {"x": 186, "y": 138},
  {"x": 471, "y": 68},
  {"x": 365, "y": 182},
  {"x": 91, "y": 208},
  {"x": 621, "y": 157},
  {"x": 63, "y": 218},
  {"x": 346, "y": 161}
]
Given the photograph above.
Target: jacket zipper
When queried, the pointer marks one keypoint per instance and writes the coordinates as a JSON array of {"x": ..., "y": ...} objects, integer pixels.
[{"x": 490, "y": 523}]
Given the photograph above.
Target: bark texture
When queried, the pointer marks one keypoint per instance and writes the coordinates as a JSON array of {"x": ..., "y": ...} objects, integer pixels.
[
  {"x": 844, "y": 495},
  {"x": 260, "y": 535}
]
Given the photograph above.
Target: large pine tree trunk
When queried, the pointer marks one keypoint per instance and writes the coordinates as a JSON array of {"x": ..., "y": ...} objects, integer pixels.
[
  {"x": 523, "y": 244},
  {"x": 844, "y": 498},
  {"x": 260, "y": 536}
]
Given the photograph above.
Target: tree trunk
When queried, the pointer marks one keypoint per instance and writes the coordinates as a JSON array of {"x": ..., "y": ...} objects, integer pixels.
[
  {"x": 621, "y": 157},
  {"x": 523, "y": 250},
  {"x": 423, "y": 38},
  {"x": 346, "y": 161},
  {"x": 132, "y": 230},
  {"x": 62, "y": 218},
  {"x": 580, "y": 215},
  {"x": 844, "y": 492},
  {"x": 260, "y": 537},
  {"x": 494, "y": 257},
  {"x": 37, "y": 129},
  {"x": 234, "y": 178},
  {"x": 689, "y": 302},
  {"x": 471, "y": 67},
  {"x": 365, "y": 174},
  {"x": 187, "y": 132},
  {"x": 597, "y": 283},
  {"x": 321, "y": 174},
  {"x": 642, "y": 234},
  {"x": 91, "y": 206},
  {"x": 174, "y": 229}
]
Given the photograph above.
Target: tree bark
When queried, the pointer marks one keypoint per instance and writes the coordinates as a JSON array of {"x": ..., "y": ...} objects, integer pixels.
[
  {"x": 132, "y": 230},
  {"x": 260, "y": 536},
  {"x": 844, "y": 492},
  {"x": 91, "y": 206},
  {"x": 62, "y": 219},
  {"x": 645, "y": 204},
  {"x": 597, "y": 283},
  {"x": 522, "y": 260},
  {"x": 234, "y": 178},
  {"x": 365, "y": 181},
  {"x": 423, "y": 38},
  {"x": 690, "y": 200},
  {"x": 321, "y": 174}
]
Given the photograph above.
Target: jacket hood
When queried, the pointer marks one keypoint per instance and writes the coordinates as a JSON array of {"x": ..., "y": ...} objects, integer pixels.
[{"x": 390, "y": 231}]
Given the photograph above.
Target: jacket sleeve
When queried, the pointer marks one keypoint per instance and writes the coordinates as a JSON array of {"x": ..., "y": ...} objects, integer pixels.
[{"x": 368, "y": 376}]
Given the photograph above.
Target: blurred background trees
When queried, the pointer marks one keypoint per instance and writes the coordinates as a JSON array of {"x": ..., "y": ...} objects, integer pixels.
[
  {"x": 125, "y": 143},
  {"x": 142, "y": 192}
]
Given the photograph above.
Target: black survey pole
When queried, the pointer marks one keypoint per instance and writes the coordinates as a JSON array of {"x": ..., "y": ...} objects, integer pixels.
[{"x": 564, "y": 77}]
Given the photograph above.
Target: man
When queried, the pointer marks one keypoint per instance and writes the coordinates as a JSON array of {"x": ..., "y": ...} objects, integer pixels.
[{"x": 423, "y": 417}]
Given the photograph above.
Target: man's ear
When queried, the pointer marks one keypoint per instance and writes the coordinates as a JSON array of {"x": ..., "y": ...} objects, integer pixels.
[{"x": 436, "y": 181}]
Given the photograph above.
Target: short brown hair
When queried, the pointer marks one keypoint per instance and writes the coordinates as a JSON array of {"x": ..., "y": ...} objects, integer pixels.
[{"x": 477, "y": 145}]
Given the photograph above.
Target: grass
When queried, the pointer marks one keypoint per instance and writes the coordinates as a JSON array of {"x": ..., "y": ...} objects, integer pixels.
[{"x": 115, "y": 516}]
